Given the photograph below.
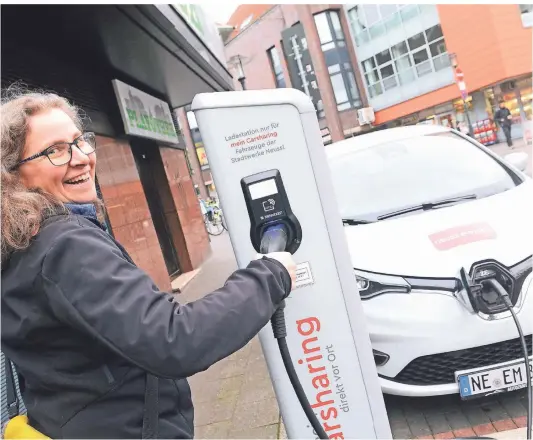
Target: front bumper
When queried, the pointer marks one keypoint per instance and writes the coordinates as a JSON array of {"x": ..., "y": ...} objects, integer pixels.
[
  {"x": 419, "y": 324},
  {"x": 400, "y": 389}
]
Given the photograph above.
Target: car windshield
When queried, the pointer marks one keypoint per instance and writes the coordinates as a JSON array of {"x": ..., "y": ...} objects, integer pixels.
[{"x": 383, "y": 178}]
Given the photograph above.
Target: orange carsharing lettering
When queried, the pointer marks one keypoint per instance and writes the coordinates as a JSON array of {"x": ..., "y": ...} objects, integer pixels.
[{"x": 323, "y": 402}]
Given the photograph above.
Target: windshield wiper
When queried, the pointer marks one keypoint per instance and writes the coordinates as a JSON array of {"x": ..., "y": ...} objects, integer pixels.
[
  {"x": 427, "y": 206},
  {"x": 356, "y": 221}
]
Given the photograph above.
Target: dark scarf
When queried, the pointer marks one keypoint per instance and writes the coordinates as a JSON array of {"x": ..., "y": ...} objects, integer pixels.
[{"x": 87, "y": 210}]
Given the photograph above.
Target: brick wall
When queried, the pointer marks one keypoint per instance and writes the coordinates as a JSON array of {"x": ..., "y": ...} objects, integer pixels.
[
  {"x": 127, "y": 207},
  {"x": 490, "y": 41},
  {"x": 195, "y": 247},
  {"x": 252, "y": 45}
]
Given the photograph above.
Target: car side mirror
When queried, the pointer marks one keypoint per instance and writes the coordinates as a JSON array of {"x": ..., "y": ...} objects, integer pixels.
[{"x": 518, "y": 160}]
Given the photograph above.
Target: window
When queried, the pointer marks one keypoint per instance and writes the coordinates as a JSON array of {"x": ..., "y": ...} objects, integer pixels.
[
  {"x": 337, "y": 60},
  {"x": 275, "y": 63},
  {"x": 420, "y": 55},
  {"x": 416, "y": 41},
  {"x": 383, "y": 57},
  {"x": 372, "y": 181},
  {"x": 370, "y": 21}
]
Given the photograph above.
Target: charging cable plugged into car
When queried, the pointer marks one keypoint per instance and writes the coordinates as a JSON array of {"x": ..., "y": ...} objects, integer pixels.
[{"x": 482, "y": 295}]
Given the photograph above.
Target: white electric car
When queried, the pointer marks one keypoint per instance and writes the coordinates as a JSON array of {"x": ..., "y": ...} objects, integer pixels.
[{"x": 419, "y": 204}]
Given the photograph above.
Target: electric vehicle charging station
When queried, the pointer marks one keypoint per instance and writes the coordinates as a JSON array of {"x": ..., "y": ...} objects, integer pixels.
[{"x": 270, "y": 169}]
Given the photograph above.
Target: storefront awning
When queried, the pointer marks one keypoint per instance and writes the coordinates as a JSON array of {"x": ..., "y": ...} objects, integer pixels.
[{"x": 151, "y": 44}]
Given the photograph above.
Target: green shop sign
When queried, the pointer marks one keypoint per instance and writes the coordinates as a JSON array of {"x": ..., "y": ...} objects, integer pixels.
[
  {"x": 145, "y": 115},
  {"x": 149, "y": 123},
  {"x": 193, "y": 14}
]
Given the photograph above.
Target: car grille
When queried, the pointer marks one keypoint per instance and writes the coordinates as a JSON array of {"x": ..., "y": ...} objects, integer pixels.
[{"x": 437, "y": 369}]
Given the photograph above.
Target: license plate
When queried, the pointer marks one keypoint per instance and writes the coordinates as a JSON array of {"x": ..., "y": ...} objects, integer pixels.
[{"x": 493, "y": 379}]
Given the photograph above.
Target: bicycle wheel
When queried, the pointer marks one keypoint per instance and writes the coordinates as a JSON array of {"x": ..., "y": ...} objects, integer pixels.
[
  {"x": 214, "y": 227},
  {"x": 224, "y": 224}
]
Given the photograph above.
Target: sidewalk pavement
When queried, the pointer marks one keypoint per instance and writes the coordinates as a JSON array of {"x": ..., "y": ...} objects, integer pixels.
[
  {"x": 234, "y": 398},
  {"x": 519, "y": 145}
]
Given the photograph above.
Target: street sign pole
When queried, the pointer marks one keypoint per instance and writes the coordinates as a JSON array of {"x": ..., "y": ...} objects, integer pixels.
[{"x": 460, "y": 80}]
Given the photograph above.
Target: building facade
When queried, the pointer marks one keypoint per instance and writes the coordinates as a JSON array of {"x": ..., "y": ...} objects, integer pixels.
[
  {"x": 119, "y": 65},
  {"x": 408, "y": 55},
  {"x": 398, "y": 61},
  {"x": 307, "y": 47}
]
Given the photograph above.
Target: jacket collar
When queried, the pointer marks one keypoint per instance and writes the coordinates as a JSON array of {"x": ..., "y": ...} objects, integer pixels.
[{"x": 87, "y": 210}]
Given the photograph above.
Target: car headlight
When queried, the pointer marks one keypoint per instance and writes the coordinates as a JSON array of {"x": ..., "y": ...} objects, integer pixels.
[{"x": 371, "y": 284}]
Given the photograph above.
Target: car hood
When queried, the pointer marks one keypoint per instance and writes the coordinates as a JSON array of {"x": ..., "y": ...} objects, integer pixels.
[{"x": 439, "y": 242}]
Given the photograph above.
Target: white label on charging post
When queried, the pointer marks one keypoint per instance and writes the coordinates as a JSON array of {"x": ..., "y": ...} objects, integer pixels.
[{"x": 304, "y": 276}]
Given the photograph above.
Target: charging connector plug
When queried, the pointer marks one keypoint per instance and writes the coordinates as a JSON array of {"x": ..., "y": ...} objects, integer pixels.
[{"x": 502, "y": 293}]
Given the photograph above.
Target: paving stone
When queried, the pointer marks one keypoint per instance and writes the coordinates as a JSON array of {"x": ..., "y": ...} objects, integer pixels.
[
  {"x": 230, "y": 387},
  {"x": 260, "y": 432},
  {"x": 205, "y": 391},
  {"x": 216, "y": 411},
  {"x": 476, "y": 416},
  {"x": 217, "y": 430},
  {"x": 521, "y": 422},
  {"x": 395, "y": 414},
  {"x": 214, "y": 371},
  {"x": 484, "y": 429},
  {"x": 254, "y": 414},
  {"x": 437, "y": 423},
  {"x": 495, "y": 411},
  {"x": 457, "y": 420},
  {"x": 513, "y": 406},
  {"x": 242, "y": 354},
  {"x": 418, "y": 425},
  {"x": 257, "y": 369},
  {"x": 400, "y": 429},
  {"x": 465, "y": 432},
  {"x": 234, "y": 368},
  {"x": 445, "y": 435},
  {"x": 254, "y": 390},
  {"x": 504, "y": 425}
]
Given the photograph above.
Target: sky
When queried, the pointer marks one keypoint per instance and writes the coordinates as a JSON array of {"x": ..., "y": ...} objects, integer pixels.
[{"x": 222, "y": 11}]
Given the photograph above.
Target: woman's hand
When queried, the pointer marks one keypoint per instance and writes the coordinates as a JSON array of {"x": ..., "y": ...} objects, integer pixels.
[{"x": 285, "y": 258}]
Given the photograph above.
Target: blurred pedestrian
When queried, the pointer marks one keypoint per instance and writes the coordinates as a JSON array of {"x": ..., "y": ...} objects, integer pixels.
[{"x": 504, "y": 118}]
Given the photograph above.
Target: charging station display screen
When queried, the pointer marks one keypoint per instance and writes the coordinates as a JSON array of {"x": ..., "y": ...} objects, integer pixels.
[{"x": 263, "y": 189}]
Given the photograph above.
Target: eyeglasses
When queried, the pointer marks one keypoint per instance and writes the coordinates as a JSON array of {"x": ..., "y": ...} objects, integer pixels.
[{"x": 61, "y": 153}]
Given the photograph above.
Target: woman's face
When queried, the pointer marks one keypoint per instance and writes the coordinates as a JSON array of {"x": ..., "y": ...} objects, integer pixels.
[{"x": 72, "y": 182}]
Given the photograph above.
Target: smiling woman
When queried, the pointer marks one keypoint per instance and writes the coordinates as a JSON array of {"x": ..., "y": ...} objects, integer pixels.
[
  {"x": 93, "y": 337},
  {"x": 40, "y": 168}
]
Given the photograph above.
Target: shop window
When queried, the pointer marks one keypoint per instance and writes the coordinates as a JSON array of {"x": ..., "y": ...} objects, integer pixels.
[
  {"x": 275, "y": 64},
  {"x": 337, "y": 60},
  {"x": 526, "y": 12}
]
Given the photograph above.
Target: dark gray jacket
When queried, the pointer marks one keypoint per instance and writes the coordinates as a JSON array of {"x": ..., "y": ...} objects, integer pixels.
[{"x": 84, "y": 325}]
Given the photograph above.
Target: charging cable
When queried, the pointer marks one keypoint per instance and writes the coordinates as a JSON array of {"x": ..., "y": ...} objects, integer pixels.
[
  {"x": 507, "y": 301},
  {"x": 274, "y": 239}
]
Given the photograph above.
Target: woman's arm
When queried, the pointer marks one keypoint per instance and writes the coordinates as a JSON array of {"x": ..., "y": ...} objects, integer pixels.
[{"x": 92, "y": 287}]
